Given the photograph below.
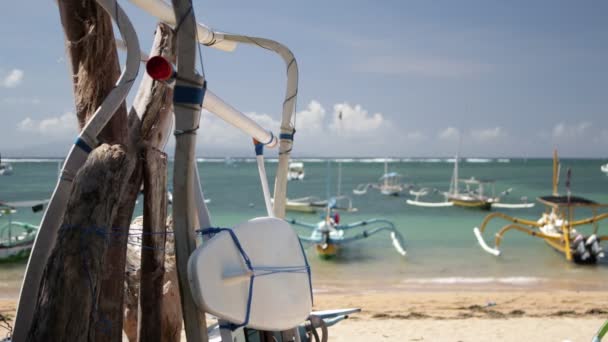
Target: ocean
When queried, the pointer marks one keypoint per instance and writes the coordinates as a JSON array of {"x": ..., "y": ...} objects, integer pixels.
[{"x": 442, "y": 251}]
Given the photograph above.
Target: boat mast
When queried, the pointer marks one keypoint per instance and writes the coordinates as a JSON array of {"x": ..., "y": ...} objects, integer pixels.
[
  {"x": 555, "y": 173},
  {"x": 385, "y": 172},
  {"x": 455, "y": 176},
  {"x": 339, "y": 178}
]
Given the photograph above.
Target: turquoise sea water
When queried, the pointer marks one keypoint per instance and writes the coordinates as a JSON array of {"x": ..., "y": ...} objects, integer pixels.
[{"x": 442, "y": 250}]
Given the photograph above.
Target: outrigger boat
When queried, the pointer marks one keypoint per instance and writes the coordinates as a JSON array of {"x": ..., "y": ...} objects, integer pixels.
[
  {"x": 329, "y": 236},
  {"x": 6, "y": 169},
  {"x": 557, "y": 226},
  {"x": 296, "y": 171},
  {"x": 389, "y": 184},
  {"x": 474, "y": 195},
  {"x": 17, "y": 238},
  {"x": 313, "y": 204}
]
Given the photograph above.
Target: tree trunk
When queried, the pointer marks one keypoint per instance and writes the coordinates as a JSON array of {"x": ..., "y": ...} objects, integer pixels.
[
  {"x": 149, "y": 122},
  {"x": 171, "y": 306},
  {"x": 66, "y": 307},
  {"x": 95, "y": 66},
  {"x": 153, "y": 246}
]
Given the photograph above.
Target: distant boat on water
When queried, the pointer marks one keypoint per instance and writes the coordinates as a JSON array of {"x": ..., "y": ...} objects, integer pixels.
[
  {"x": 5, "y": 168},
  {"x": 604, "y": 168},
  {"x": 296, "y": 171}
]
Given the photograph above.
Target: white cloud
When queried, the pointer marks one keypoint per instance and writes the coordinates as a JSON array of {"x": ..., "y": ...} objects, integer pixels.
[
  {"x": 53, "y": 127},
  {"x": 488, "y": 134},
  {"x": 316, "y": 131},
  {"x": 563, "y": 130},
  {"x": 13, "y": 78},
  {"x": 349, "y": 120},
  {"x": 311, "y": 118},
  {"x": 449, "y": 133},
  {"x": 426, "y": 66}
]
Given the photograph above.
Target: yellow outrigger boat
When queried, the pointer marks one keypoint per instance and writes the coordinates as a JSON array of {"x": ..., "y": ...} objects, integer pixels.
[{"x": 557, "y": 226}]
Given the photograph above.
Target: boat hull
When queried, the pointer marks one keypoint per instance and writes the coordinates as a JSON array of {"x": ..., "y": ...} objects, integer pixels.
[
  {"x": 15, "y": 253},
  {"x": 326, "y": 251},
  {"x": 473, "y": 204}
]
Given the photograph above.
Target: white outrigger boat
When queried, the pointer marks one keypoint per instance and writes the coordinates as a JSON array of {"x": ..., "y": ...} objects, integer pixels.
[
  {"x": 389, "y": 184},
  {"x": 17, "y": 238},
  {"x": 329, "y": 236},
  {"x": 296, "y": 171},
  {"x": 475, "y": 194},
  {"x": 6, "y": 169},
  {"x": 216, "y": 277}
]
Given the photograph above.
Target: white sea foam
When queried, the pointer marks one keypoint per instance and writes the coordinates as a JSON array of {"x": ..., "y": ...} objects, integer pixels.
[
  {"x": 31, "y": 160},
  {"x": 474, "y": 280},
  {"x": 503, "y": 160},
  {"x": 478, "y": 160}
]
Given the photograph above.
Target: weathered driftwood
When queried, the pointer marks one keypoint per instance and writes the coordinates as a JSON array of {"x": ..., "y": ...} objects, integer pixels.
[
  {"x": 66, "y": 307},
  {"x": 153, "y": 246},
  {"x": 149, "y": 124},
  {"x": 171, "y": 314},
  {"x": 95, "y": 67}
]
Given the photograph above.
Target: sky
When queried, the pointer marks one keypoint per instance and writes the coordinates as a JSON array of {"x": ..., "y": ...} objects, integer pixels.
[{"x": 411, "y": 78}]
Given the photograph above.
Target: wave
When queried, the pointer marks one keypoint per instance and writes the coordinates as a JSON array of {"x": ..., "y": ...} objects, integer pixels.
[
  {"x": 32, "y": 160},
  {"x": 474, "y": 280},
  {"x": 478, "y": 160},
  {"x": 503, "y": 160}
]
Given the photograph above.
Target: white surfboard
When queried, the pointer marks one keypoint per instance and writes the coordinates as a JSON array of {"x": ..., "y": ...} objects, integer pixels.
[{"x": 220, "y": 279}]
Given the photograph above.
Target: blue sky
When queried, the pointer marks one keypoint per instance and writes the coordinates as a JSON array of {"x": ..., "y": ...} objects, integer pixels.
[{"x": 412, "y": 78}]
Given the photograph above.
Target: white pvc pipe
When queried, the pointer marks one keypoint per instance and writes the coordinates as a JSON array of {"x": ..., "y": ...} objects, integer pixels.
[
  {"x": 164, "y": 12},
  {"x": 483, "y": 244},
  {"x": 51, "y": 221},
  {"x": 220, "y": 108},
  {"x": 265, "y": 188}
]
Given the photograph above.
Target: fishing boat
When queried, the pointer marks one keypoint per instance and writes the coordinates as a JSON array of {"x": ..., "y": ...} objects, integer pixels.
[
  {"x": 558, "y": 225},
  {"x": 17, "y": 238},
  {"x": 329, "y": 236},
  {"x": 6, "y": 169},
  {"x": 389, "y": 184},
  {"x": 296, "y": 171},
  {"x": 307, "y": 205},
  {"x": 474, "y": 193},
  {"x": 604, "y": 168}
]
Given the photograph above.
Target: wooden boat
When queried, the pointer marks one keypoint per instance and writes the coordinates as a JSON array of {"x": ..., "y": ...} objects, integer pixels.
[
  {"x": 476, "y": 194},
  {"x": 17, "y": 238},
  {"x": 5, "y": 168},
  {"x": 557, "y": 226},
  {"x": 329, "y": 236},
  {"x": 296, "y": 171},
  {"x": 389, "y": 184}
]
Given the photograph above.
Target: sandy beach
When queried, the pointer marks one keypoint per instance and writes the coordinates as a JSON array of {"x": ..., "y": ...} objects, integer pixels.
[{"x": 459, "y": 315}]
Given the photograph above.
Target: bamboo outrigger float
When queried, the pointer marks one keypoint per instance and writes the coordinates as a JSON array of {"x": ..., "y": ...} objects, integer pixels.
[{"x": 556, "y": 226}]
